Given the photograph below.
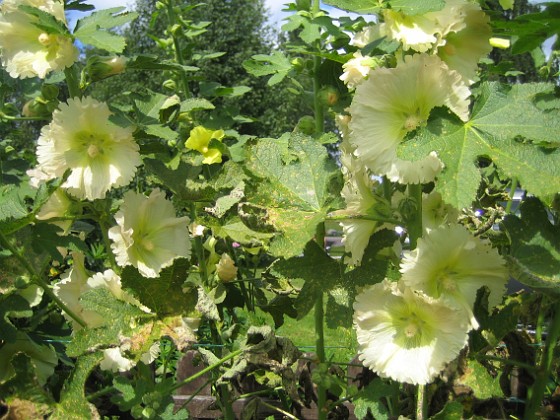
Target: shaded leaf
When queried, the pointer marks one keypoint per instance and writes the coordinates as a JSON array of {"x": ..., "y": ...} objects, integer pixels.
[
  {"x": 369, "y": 399},
  {"x": 164, "y": 295},
  {"x": 73, "y": 402},
  {"x": 534, "y": 257},
  {"x": 483, "y": 385}
]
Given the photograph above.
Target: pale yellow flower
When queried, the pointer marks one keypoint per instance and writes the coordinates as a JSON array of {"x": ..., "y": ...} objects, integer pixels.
[
  {"x": 226, "y": 269},
  {"x": 451, "y": 264},
  {"x": 356, "y": 69},
  {"x": 58, "y": 205},
  {"x": 99, "y": 154},
  {"x": 459, "y": 33},
  {"x": 393, "y": 102},
  {"x": 199, "y": 140},
  {"x": 29, "y": 51},
  {"x": 148, "y": 234},
  {"x": 405, "y": 335}
]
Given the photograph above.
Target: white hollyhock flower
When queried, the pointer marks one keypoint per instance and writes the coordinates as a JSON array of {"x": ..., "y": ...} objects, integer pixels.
[
  {"x": 460, "y": 34},
  {"x": 58, "y": 205},
  {"x": 99, "y": 154},
  {"x": 405, "y": 335},
  {"x": 148, "y": 235},
  {"x": 462, "y": 50},
  {"x": 435, "y": 212},
  {"x": 29, "y": 51},
  {"x": 393, "y": 102},
  {"x": 450, "y": 263},
  {"x": 356, "y": 69},
  {"x": 360, "y": 199},
  {"x": 77, "y": 280},
  {"x": 114, "y": 361}
]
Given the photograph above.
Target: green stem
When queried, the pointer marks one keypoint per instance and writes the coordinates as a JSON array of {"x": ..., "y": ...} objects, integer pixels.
[
  {"x": 387, "y": 188},
  {"x": 206, "y": 370},
  {"x": 283, "y": 412},
  {"x": 415, "y": 222},
  {"x": 421, "y": 406},
  {"x": 540, "y": 320},
  {"x": 12, "y": 118},
  {"x": 35, "y": 278},
  {"x": 526, "y": 366},
  {"x": 100, "y": 393},
  {"x": 363, "y": 217},
  {"x": 177, "y": 47},
  {"x": 72, "y": 82},
  {"x": 536, "y": 392},
  {"x": 514, "y": 184}
]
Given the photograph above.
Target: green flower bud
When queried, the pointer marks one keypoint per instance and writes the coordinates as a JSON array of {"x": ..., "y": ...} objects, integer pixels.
[
  {"x": 306, "y": 125},
  {"x": 99, "y": 68}
]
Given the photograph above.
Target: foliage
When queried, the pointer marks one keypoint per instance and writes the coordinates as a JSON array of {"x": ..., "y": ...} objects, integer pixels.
[{"x": 253, "y": 144}]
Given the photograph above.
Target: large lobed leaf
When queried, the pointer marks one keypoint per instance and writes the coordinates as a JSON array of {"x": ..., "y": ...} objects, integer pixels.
[
  {"x": 92, "y": 29},
  {"x": 121, "y": 319},
  {"x": 507, "y": 127},
  {"x": 298, "y": 185},
  {"x": 164, "y": 294},
  {"x": 535, "y": 246}
]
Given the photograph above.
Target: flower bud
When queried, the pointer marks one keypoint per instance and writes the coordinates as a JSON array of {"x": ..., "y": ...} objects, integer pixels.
[
  {"x": 226, "y": 269},
  {"x": 502, "y": 43},
  {"x": 99, "y": 68}
]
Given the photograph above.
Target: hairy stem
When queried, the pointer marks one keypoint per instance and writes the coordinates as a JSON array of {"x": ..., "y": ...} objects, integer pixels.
[
  {"x": 36, "y": 278},
  {"x": 536, "y": 392}
]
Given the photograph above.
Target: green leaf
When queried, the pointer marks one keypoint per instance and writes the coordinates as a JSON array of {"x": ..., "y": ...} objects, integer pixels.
[
  {"x": 164, "y": 294},
  {"x": 25, "y": 384},
  {"x": 452, "y": 410},
  {"x": 91, "y": 29},
  {"x": 73, "y": 402},
  {"x": 46, "y": 21},
  {"x": 13, "y": 305},
  {"x": 417, "y": 7},
  {"x": 237, "y": 231},
  {"x": 46, "y": 238},
  {"x": 148, "y": 117},
  {"x": 319, "y": 272},
  {"x": 483, "y": 385},
  {"x": 357, "y": 6},
  {"x": 194, "y": 104},
  {"x": 298, "y": 185},
  {"x": 339, "y": 310},
  {"x": 153, "y": 62},
  {"x": 121, "y": 319},
  {"x": 369, "y": 399},
  {"x": 276, "y": 64},
  {"x": 11, "y": 203},
  {"x": 535, "y": 246},
  {"x": 507, "y": 127}
]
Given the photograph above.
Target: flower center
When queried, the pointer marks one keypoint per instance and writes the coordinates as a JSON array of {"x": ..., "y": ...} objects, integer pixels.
[
  {"x": 93, "y": 151},
  {"x": 411, "y": 330},
  {"x": 45, "y": 39},
  {"x": 148, "y": 245},
  {"x": 93, "y": 144},
  {"x": 412, "y": 122}
]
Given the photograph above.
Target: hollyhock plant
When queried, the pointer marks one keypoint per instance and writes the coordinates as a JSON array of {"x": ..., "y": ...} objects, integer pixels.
[
  {"x": 148, "y": 234},
  {"x": 26, "y": 49},
  {"x": 405, "y": 335},
  {"x": 451, "y": 264},
  {"x": 99, "y": 154},
  {"x": 393, "y": 102}
]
